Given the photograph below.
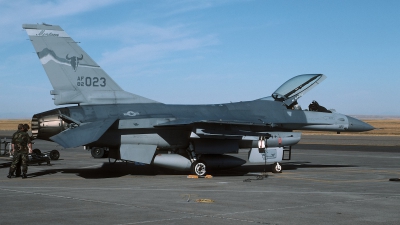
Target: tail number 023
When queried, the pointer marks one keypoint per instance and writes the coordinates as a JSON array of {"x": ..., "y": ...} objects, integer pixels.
[{"x": 91, "y": 81}]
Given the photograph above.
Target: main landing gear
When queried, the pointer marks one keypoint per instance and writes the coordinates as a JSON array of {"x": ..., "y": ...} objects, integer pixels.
[{"x": 198, "y": 168}]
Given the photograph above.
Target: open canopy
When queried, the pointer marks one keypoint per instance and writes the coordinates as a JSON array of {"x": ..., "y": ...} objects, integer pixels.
[{"x": 296, "y": 87}]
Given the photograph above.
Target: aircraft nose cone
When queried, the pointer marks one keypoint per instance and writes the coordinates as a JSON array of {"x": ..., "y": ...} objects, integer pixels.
[{"x": 358, "y": 125}]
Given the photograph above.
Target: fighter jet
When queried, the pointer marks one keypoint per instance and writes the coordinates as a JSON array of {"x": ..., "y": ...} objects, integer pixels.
[{"x": 196, "y": 138}]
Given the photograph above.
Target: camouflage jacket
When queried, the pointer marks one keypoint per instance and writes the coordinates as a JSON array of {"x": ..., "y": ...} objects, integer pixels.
[{"x": 20, "y": 140}]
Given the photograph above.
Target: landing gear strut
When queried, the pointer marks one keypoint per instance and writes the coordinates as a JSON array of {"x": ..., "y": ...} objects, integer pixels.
[{"x": 198, "y": 167}]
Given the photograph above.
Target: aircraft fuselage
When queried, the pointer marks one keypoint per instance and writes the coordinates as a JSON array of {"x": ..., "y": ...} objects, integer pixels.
[{"x": 171, "y": 125}]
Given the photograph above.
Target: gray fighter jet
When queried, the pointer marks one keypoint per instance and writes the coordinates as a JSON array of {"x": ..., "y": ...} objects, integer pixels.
[{"x": 107, "y": 119}]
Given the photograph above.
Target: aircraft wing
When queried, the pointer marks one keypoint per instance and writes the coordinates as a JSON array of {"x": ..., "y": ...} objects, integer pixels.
[
  {"x": 189, "y": 122},
  {"x": 83, "y": 134}
]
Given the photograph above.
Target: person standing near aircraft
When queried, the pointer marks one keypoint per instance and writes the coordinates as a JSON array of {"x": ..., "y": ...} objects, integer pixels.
[
  {"x": 18, "y": 168},
  {"x": 21, "y": 145}
]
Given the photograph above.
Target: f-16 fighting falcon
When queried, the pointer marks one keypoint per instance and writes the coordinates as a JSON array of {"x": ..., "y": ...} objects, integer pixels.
[{"x": 196, "y": 138}]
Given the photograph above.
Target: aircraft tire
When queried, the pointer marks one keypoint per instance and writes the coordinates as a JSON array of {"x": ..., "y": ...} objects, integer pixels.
[
  {"x": 97, "y": 152},
  {"x": 54, "y": 154},
  {"x": 198, "y": 168},
  {"x": 276, "y": 168}
]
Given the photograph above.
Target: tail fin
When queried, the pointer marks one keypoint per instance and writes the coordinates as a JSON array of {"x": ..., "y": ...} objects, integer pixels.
[{"x": 75, "y": 77}]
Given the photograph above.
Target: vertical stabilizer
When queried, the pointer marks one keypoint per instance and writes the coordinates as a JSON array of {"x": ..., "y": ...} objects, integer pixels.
[{"x": 75, "y": 77}]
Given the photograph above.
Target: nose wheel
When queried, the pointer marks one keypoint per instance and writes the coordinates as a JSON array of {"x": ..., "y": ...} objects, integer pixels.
[
  {"x": 198, "y": 168},
  {"x": 276, "y": 168}
]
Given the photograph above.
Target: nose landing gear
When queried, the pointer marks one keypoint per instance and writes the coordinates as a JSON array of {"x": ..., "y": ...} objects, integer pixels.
[{"x": 276, "y": 168}]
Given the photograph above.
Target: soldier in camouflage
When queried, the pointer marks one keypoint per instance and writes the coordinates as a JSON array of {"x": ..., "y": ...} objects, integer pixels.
[{"x": 21, "y": 145}]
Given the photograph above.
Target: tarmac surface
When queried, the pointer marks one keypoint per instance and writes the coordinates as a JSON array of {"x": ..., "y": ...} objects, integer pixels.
[{"x": 331, "y": 179}]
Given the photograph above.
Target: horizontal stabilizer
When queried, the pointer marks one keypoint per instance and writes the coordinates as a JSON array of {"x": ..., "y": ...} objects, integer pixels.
[{"x": 84, "y": 134}]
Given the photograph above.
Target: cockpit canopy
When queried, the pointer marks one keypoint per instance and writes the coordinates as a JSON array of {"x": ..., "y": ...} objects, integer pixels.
[{"x": 296, "y": 87}]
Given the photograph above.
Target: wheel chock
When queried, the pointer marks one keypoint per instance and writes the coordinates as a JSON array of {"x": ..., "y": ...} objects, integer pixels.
[
  {"x": 204, "y": 200},
  {"x": 196, "y": 177}
]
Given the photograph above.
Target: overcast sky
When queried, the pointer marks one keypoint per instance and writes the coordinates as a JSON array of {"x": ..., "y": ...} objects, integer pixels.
[{"x": 200, "y": 52}]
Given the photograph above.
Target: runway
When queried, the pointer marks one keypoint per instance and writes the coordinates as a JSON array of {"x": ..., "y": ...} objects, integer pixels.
[{"x": 331, "y": 179}]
